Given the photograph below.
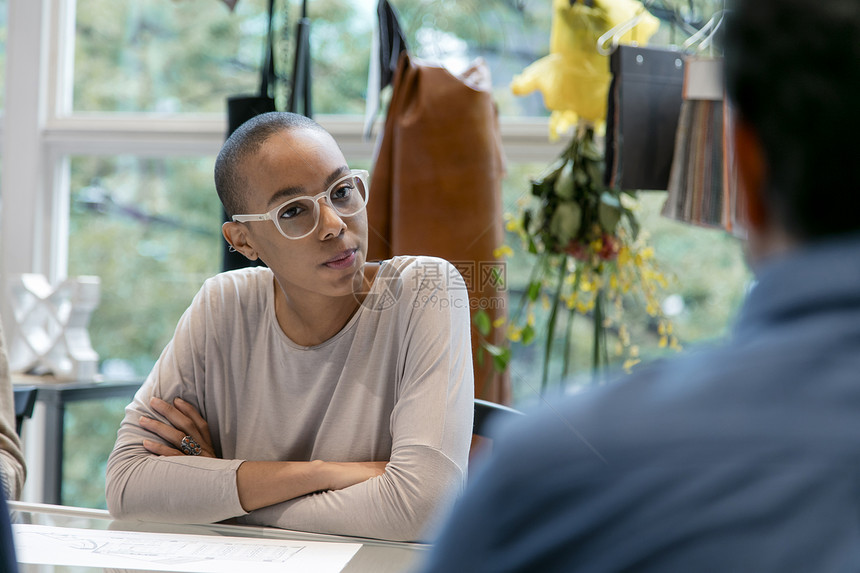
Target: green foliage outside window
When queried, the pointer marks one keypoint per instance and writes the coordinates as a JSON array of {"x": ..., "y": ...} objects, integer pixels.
[{"x": 150, "y": 228}]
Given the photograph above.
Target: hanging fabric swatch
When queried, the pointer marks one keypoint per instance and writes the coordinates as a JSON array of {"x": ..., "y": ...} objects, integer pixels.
[
  {"x": 642, "y": 116},
  {"x": 436, "y": 188},
  {"x": 703, "y": 184}
]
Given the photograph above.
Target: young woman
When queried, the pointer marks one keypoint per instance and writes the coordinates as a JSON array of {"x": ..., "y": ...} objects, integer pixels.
[{"x": 322, "y": 393}]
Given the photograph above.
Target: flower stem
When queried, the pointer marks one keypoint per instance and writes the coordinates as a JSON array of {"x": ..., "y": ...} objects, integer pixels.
[
  {"x": 598, "y": 334},
  {"x": 568, "y": 336},
  {"x": 535, "y": 275},
  {"x": 605, "y": 346},
  {"x": 551, "y": 327}
]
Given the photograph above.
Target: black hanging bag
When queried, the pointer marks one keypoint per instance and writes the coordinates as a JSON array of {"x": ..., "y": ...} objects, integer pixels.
[{"x": 242, "y": 108}]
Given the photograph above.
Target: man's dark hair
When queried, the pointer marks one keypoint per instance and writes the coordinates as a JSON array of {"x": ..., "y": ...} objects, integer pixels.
[
  {"x": 793, "y": 72},
  {"x": 244, "y": 142}
]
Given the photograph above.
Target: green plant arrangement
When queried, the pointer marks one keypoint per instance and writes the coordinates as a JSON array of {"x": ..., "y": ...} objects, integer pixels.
[{"x": 590, "y": 259}]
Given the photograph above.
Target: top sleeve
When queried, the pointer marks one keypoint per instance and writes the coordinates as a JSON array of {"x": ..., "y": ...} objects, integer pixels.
[
  {"x": 431, "y": 426},
  {"x": 12, "y": 468},
  {"x": 182, "y": 489}
]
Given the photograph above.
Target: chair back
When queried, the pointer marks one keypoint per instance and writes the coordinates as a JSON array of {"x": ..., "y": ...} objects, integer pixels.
[
  {"x": 25, "y": 399},
  {"x": 485, "y": 411}
]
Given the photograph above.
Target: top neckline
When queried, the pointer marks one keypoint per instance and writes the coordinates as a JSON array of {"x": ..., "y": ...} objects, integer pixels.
[{"x": 334, "y": 338}]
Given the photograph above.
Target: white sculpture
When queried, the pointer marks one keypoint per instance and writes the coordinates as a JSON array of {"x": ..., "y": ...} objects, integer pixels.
[{"x": 51, "y": 335}]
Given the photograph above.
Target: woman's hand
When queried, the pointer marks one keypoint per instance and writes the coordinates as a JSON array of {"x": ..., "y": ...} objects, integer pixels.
[{"x": 185, "y": 421}]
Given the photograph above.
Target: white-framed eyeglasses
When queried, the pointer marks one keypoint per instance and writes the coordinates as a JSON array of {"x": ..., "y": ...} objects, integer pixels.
[{"x": 298, "y": 217}]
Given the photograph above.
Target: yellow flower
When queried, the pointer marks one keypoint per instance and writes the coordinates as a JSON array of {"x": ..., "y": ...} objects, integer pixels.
[
  {"x": 630, "y": 363},
  {"x": 503, "y": 251},
  {"x": 664, "y": 341},
  {"x": 499, "y": 322},
  {"x": 574, "y": 78},
  {"x": 514, "y": 334},
  {"x": 561, "y": 122}
]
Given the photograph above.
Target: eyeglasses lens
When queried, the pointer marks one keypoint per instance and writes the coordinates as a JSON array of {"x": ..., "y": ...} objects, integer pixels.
[{"x": 348, "y": 197}]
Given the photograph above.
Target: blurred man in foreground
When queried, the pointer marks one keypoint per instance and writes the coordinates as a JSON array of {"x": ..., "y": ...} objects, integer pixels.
[{"x": 744, "y": 457}]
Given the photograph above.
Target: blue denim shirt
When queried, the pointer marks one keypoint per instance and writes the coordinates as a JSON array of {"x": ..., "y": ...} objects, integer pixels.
[{"x": 742, "y": 457}]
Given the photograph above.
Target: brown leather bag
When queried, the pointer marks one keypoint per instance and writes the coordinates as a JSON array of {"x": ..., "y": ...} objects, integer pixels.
[{"x": 436, "y": 188}]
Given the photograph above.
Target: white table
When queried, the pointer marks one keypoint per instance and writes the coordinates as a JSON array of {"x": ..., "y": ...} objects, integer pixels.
[{"x": 374, "y": 556}]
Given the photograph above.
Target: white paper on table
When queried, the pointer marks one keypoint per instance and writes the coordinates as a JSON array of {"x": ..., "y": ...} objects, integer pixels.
[{"x": 41, "y": 544}]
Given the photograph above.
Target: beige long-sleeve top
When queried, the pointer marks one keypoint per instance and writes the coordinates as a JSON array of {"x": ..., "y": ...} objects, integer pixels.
[{"x": 396, "y": 383}]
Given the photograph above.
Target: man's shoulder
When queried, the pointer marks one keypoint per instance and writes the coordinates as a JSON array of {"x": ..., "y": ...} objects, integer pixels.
[
  {"x": 713, "y": 401},
  {"x": 642, "y": 409}
]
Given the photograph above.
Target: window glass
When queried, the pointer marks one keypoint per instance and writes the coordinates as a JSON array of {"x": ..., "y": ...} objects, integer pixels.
[
  {"x": 88, "y": 438},
  {"x": 165, "y": 55},
  {"x": 189, "y": 55},
  {"x": 150, "y": 228},
  {"x": 507, "y": 35}
]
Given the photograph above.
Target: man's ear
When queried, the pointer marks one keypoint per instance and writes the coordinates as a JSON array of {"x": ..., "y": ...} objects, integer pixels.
[
  {"x": 752, "y": 171},
  {"x": 237, "y": 236}
]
